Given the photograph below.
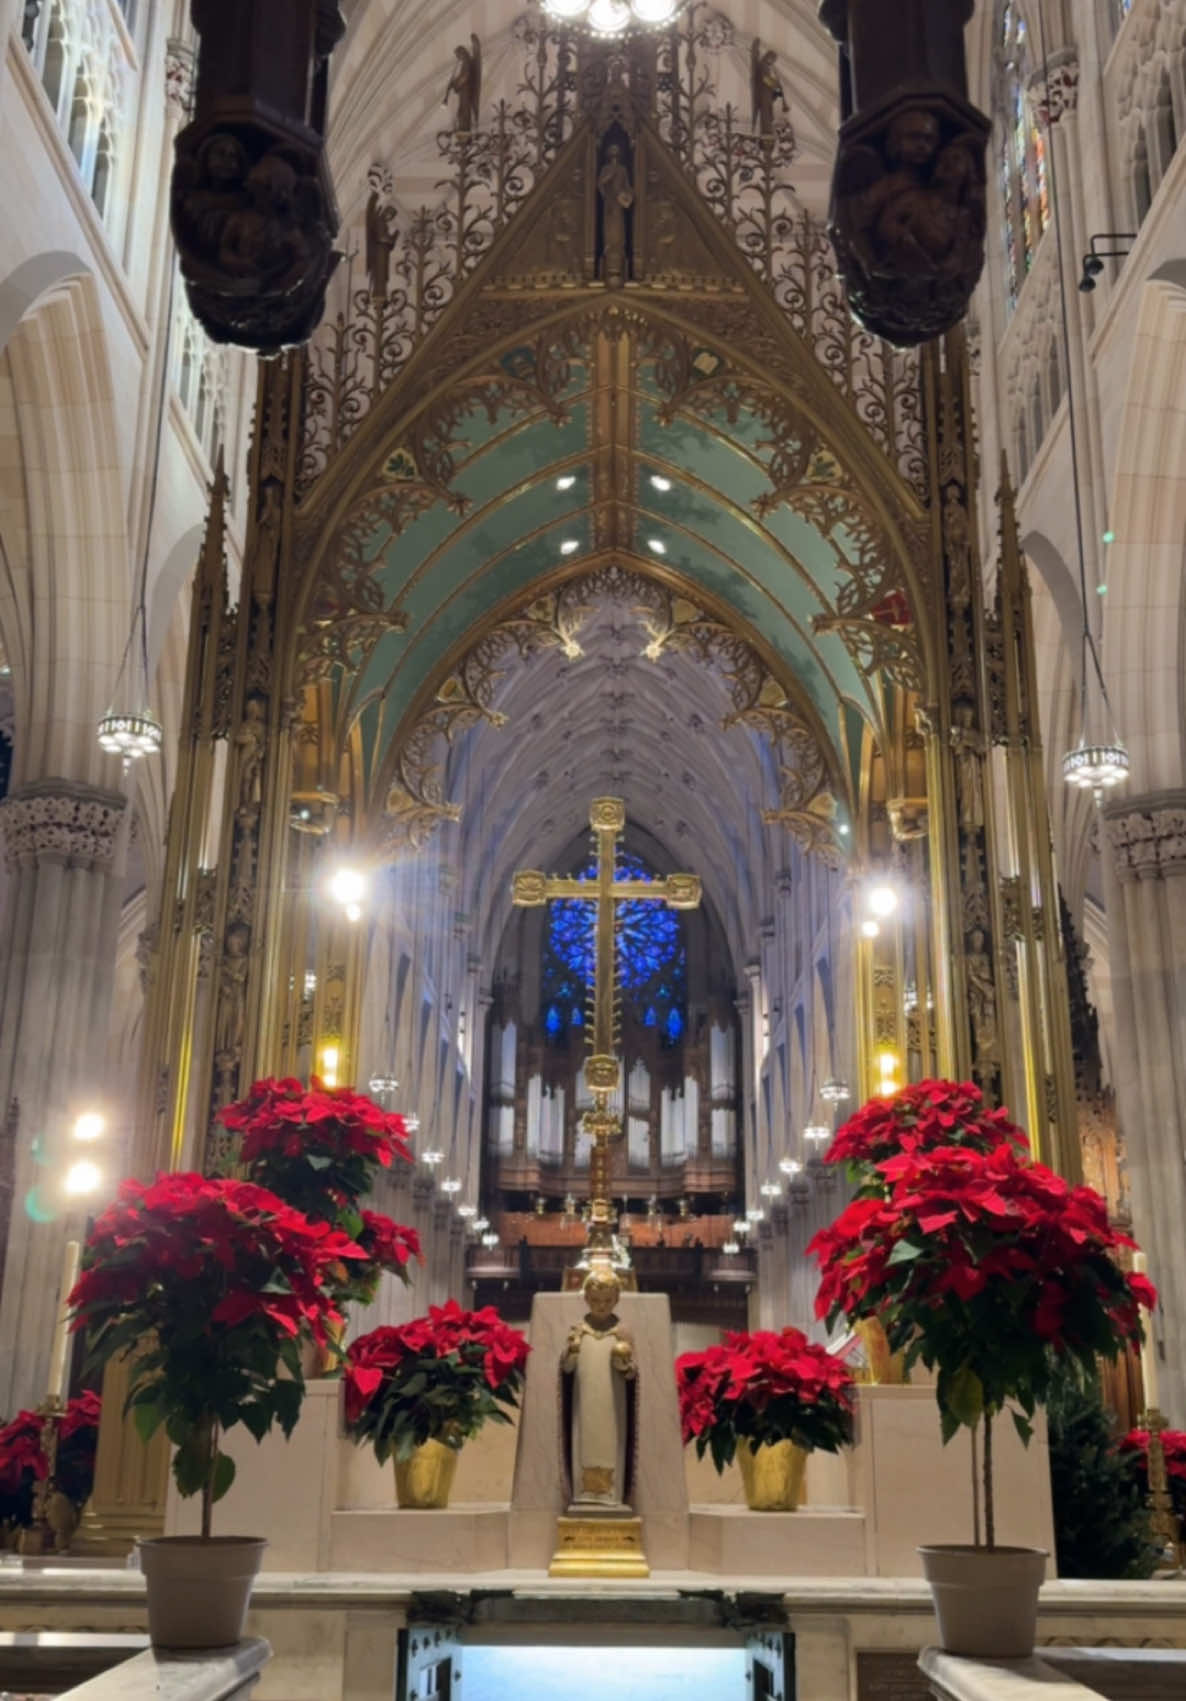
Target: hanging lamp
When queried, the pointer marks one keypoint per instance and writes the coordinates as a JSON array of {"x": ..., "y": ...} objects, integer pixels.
[
  {"x": 614, "y": 17},
  {"x": 1099, "y": 761}
]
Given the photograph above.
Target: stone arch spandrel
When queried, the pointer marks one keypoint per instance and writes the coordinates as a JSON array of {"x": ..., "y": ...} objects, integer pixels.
[{"x": 1143, "y": 634}]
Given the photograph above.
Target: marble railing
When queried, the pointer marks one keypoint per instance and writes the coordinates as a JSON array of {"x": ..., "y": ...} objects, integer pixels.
[
  {"x": 220, "y": 1674},
  {"x": 1060, "y": 1674}
]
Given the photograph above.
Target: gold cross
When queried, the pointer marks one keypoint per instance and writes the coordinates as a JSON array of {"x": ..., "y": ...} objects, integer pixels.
[{"x": 530, "y": 889}]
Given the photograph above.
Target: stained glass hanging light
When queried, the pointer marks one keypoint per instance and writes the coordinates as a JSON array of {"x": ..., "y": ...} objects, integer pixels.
[{"x": 614, "y": 17}]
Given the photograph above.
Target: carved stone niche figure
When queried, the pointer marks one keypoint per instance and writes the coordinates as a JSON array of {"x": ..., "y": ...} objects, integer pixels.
[
  {"x": 982, "y": 999},
  {"x": 615, "y": 187},
  {"x": 908, "y": 213},
  {"x": 599, "y": 1374},
  {"x": 253, "y": 206}
]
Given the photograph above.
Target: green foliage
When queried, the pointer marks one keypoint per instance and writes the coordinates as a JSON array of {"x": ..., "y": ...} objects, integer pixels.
[{"x": 1101, "y": 1524}]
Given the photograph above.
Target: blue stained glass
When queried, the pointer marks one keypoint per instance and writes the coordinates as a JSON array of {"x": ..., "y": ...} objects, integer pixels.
[{"x": 652, "y": 958}]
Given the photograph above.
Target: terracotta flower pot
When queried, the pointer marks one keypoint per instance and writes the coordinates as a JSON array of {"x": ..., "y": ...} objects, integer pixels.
[
  {"x": 199, "y": 1590},
  {"x": 986, "y": 1599},
  {"x": 424, "y": 1482},
  {"x": 774, "y": 1476}
]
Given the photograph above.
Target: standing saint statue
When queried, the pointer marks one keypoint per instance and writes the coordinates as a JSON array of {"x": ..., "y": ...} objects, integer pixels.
[
  {"x": 766, "y": 89},
  {"x": 466, "y": 84},
  {"x": 599, "y": 1375},
  {"x": 617, "y": 198}
]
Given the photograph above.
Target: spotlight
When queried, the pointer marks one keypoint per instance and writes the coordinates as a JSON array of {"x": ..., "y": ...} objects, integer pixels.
[
  {"x": 348, "y": 886},
  {"x": 1092, "y": 267},
  {"x": 881, "y": 901},
  {"x": 656, "y": 546},
  {"x": 871, "y": 929},
  {"x": 569, "y": 546},
  {"x": 91, "y": 1125},
  {"x": 83, "y": 1178},
  {"x": 567, "y": 482},
  {"x": 659, "y": 482}
]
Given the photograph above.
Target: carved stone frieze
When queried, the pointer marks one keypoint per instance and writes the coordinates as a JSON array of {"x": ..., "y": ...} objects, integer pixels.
[
  {"x": 61, "y": 821},
  {"x": 1148, "y": 836}
]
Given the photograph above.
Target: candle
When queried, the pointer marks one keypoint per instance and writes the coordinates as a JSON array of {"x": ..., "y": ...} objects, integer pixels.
[
  {"x": 60, "y": 1351},
  {"x": 1140, "y": 1265}
]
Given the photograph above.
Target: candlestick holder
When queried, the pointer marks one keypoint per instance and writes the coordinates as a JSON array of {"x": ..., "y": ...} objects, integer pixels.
[
  {"x": 54, "y": 1519},
  {"x": 1164, "y": 1521}
]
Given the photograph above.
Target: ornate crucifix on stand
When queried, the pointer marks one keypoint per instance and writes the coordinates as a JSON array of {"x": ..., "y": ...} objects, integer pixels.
[{"x": 607, "y": 817}]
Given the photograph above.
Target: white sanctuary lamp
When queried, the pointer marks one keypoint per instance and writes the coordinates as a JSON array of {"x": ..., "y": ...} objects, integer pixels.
[{"x": 60, "y": 1352}]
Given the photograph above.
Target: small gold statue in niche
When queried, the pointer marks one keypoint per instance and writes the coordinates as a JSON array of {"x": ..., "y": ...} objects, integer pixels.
[{"x": 599, "y": 1378}]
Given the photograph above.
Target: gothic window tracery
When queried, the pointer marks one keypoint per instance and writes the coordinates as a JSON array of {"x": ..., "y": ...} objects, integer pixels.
[
  {"x": 201, "y": 375},
  {"x": 652, "y": 961},
  {"x": 1024, "y": 185},
  {"x": 84, "y": 64}
]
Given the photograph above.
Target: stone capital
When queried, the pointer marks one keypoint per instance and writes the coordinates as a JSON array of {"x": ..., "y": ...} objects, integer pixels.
[
  {"x": 61, "y": 821},
  {"x": 179, "y": 77},
  {"x": 1148, "y": 835},
  {"x": 1057, "y": 96}
]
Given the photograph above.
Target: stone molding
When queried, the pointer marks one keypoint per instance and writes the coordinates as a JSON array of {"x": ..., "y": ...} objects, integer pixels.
[
  {"x": 61, "y": 821},
  {"x": 1148, "y": 836}
]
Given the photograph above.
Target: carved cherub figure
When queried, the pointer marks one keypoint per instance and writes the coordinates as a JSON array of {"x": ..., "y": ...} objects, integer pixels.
[{"x": 466, "y": 84}]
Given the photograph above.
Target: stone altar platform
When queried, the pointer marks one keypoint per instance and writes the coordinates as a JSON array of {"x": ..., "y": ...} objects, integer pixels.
[{"x": 327, "y": 1507}]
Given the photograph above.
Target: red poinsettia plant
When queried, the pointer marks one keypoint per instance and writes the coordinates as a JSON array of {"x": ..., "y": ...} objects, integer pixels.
[
  {"x": 211, "y": 1286},
  {"x": 989, "y": 1269},
  {"x": 321, "y": 1149},
  {"x": 23, "y": 1460},
  {"x": 1135, "y": 1446},
  {"x": 920, "y": 1118},
  {"x": 438, "y": 1378},
  {"x": 764, "y": 1387}
]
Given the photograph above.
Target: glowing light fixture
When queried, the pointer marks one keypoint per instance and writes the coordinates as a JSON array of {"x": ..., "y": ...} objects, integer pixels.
[
  {"x": 83, "y": 1178},
  {"x": 871, "y": 929},
  {"x": 771, "y": 1190},
  {"x": 731, "y": 1248},
  {"x": 432, "y": 1158},
  {"x": 490, "y": 1241},
  {"x": 130, "y": 735},
  {"x": 740, "y": 1226},
  {"x": 566, "y": 482},
  {"x": 881, "y": 901},
  {"x": 1096, "y": 767},
  {"x": 91, "y": 1125},
  {"x": 835, "y": 1091},
  {"x": 467, "y": 1211},
  {"x": 659, "y": 482},
  {"x": 816, "y": 1134},
  {"x": 481, "y": 1224},
  {"x": 790, "y": 1166},
  {"x": 450, "y": 1185},
  {"x": 656, "y": 546},
  {"x": 755, "y": 1215},
  {"x": 569, "y": 546},
  {"x": 383, "y": 1085},
  {"x": 347, "y": 886}
]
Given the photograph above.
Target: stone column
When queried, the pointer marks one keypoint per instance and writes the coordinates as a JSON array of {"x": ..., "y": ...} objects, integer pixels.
[
  {"x": 63, "y": 844},
  {"x": 1147, "y": 934}
]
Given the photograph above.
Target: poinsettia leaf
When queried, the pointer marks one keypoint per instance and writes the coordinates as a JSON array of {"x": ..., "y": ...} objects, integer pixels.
[
  {"x": 148, "y": 1418},
  {"x": 1023, "y": 1427},
  {"x": 224, "y": 1475},
  {"x": 905, "y": 1252},
  {"x": 286, "y": 1403},
  {"x": 964, "y": 1397}
]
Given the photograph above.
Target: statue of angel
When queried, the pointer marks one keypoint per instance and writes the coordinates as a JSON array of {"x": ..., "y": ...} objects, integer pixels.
[
  {"x": 466, "y": 84},
  {"x": 381, "y": 239},
  {"x": 765, "y": 86}
]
